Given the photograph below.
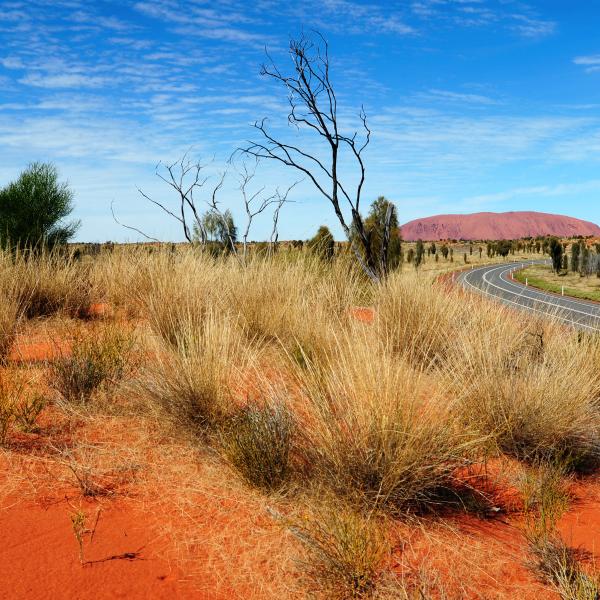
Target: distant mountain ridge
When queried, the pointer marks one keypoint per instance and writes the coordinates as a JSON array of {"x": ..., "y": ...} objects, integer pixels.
[{"x": 496, "y": 226}]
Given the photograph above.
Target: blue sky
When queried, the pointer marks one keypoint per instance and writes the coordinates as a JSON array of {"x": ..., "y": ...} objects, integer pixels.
[{"x": 473, "y": 104}]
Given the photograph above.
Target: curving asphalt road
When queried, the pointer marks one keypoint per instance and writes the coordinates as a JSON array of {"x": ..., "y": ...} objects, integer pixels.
[{"x": 495, "y": 281}]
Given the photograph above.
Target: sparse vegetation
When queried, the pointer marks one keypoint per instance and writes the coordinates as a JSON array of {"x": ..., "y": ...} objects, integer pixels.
[
  {"x": 350, "y": 407},
  {"x": 257, "y": 442},
  {"x": 95, "y": 360}
]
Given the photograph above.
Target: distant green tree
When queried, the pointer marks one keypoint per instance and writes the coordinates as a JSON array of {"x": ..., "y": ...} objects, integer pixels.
[
  {"x": 375, "y": 228},
  {"x": 503, "y": 247},
  {"x": 419, "y": 253},
  {"x": 217, "y": 229},
  {"x": 433, "y": 248},
  {"x": 322, "y": 244},
  {"x": 33, "y": 209},
  {"x": 556, "y": 253},
  {"x": 444, "y": 250},
  {"x": 565, "y": 262},
  {"x": 410, "y": 256},
  {"x": 585, "y": 259},
  {"x": 575, "y": 251}
]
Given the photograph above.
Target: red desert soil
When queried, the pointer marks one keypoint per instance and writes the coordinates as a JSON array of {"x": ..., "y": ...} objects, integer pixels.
[
  {"x": 128, "y": 556},
  {"x": 496, "y": 226},
  {"x": 40, "y": 555}
]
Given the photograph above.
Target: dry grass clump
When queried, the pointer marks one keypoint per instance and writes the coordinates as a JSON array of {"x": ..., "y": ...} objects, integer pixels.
[
  {"x": 257, "y": 442},
  {"x": 47, "y": 282},
  {"x": 418, "y": 318},
  {"x": 193, "y": 380},
  {"x": 375, "y": 428},
  {"x": 559, "y": 566},
  {"x": 10, "y": 314},
  {"x": 20, "y": 404},
  {"x": 531, "y": 386},
  {"x": 553, "y": 560},
  {"x": 346, "y": 553},
  {"x": 97, "y": 360},
  {"x": 178, "y": 291},
  {"x": 296, "y": 303}
]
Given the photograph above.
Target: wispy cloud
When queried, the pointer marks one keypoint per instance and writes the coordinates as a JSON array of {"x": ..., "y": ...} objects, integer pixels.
[{"x": 591, "y": 62}]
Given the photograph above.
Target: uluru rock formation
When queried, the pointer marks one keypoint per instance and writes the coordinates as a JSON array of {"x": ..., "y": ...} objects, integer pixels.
[{"x": 496, "y": 226}]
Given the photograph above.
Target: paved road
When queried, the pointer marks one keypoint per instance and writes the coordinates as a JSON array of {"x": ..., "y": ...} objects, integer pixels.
[{"x": 496, "y": 281}]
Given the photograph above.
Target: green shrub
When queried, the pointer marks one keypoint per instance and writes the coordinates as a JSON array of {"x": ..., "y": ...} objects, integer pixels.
[
  {"x": 95, "y": 361},
  {"x": 33, "y": 209},
  {"x": 257, "y": 442}
]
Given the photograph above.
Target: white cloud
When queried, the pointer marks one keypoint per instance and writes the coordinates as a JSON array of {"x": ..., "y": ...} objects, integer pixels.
[{"x": 591, "y": 62}]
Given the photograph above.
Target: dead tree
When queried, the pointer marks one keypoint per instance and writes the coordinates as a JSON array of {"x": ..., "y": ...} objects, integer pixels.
[
  {"x": 280, "y": 200},
  {"x": 255, "y": 203},
  {"x": 313, "y": 106},
  {"x": 187, "y": 179}
]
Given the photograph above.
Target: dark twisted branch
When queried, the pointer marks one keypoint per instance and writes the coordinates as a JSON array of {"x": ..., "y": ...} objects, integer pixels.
[{"x": 313, "y": 106}]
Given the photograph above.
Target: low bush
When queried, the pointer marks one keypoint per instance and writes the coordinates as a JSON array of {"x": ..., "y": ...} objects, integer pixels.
[
  {"x": 346, "y": 552},
  {"x": 96, "y": 360},
  {"x": 374, "y": 428},
  {"x": 257, "y": 442},
  {"x": 192, "y": 380}
]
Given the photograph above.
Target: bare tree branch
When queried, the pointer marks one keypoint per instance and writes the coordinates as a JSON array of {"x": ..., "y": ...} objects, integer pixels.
[
  {"x": 152, "y": 239},
  {"x": 313, "y": 106}
]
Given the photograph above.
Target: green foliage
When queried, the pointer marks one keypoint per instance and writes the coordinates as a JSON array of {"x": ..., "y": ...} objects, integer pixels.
[
  {"x": 419, "y": 253},
  {"x": 503, "y": 247},
  {"x": 556, "y": 252},
  {"x": 323, "y": 244},
  {"x": 375, "y": 227},
  {"x": 257, "y": 443},
  {"x": 346, "y": 552},
  {"x": 33, "y": 209},
  {"x": 94, "y": 361},
  {"x": 217, "y": 230},
  {"x": 575, "y": 252}
]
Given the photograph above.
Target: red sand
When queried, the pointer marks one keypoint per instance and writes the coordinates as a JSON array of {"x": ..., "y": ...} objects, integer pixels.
[
  {"x": 40, "y": 555},
  {"x": 128, "y": 559},
  {"x": 496, "y": 226}
]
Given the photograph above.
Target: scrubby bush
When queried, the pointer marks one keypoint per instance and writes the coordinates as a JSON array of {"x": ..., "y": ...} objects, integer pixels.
[
  {"x": 323, "y": 244},
  {"x": 33, "y": 209},
  {"x": 95, "y": 360},
  {"x": 346, "y": 552},
  {"x": 257, "y": 442}
]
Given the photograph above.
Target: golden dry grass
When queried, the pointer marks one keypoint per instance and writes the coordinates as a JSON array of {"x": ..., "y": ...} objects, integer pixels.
[{"x": 318, "y": 432}]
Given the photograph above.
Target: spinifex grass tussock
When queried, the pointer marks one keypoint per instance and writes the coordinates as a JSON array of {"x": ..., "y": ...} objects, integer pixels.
[
  {"x": 195, "y": 380},
  {"x": 418, "y": 319},
  {"x": 257, "y": 442},
  {"x": 20, "y": 404},
  {"x": 9, "y": 319},
  {"x": 97, "y": 360},
  {"x": 178, "y": 291},
  {"x": 346, "y": 553},
  {"x": 48, "y": 282},
  {"x": 297, "y": 303},
  {"x": 376, "y": 429},
  {"x": 530, "y": 385},
  {"x": 557, "y": 564}
]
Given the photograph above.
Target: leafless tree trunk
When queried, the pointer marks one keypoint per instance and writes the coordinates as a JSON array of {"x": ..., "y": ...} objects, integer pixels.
[
  {"x": 187, "y": 179},
  {"x": 313, "y": 106},
  {"x": 257, "y": 202}
]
